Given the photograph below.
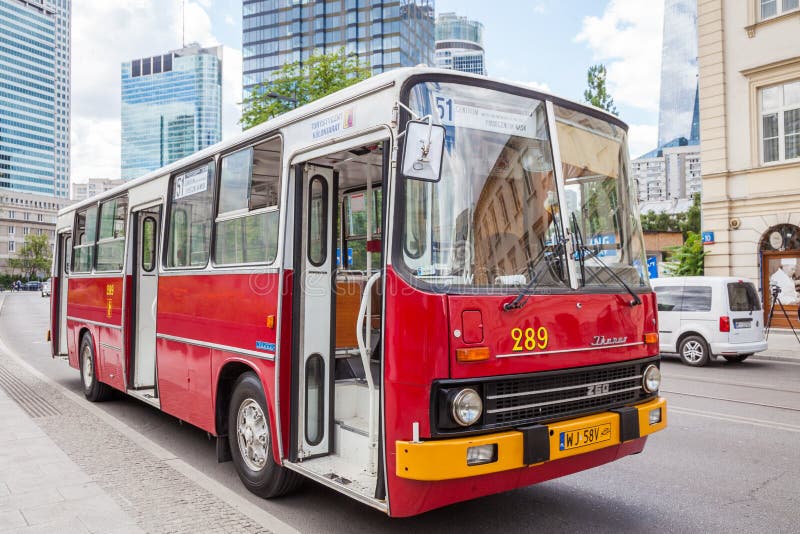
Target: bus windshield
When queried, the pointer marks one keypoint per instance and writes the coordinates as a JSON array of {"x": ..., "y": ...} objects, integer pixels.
[{"x": 495, "y": 219}]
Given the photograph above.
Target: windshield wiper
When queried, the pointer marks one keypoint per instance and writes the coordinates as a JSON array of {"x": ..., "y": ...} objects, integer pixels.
[
  {"x": 583, "y": 250},
  {"x": 522, "y": 298}
]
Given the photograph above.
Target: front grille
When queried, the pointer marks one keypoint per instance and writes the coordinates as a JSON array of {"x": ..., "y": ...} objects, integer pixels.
[{"x": 556, "y": 395}]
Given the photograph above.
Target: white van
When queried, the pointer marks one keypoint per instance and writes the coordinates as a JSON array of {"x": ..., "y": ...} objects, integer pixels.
[{"x": 703, "y": 317}]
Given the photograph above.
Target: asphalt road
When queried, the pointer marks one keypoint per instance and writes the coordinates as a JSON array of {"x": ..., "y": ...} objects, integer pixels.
[{"x": 729, "y": 460}]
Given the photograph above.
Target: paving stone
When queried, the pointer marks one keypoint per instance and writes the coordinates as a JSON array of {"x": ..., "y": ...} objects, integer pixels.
[{"x": 10, "y": 519}]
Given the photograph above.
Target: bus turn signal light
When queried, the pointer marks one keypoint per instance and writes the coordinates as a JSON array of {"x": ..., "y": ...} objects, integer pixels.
[
  {"x": 475, "y": 354},
  {"x": 651, "y": 338}
]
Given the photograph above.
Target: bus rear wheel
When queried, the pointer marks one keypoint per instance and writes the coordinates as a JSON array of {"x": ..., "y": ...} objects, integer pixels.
[
  {"x": 250, "y": 438},
  {"x": 93, "y": 389}
]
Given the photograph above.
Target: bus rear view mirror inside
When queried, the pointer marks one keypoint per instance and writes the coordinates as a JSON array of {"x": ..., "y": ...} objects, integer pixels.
[{"x": 423, "y": 151}]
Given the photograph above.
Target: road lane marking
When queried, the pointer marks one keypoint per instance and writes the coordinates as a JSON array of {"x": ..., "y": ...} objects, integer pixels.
[
  {"x": 727, "y": 383},
  {"x": 697, "y": 395},
  {"x": 736, "y": 419}
]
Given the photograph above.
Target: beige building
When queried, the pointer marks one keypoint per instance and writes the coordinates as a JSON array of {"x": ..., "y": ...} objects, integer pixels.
[
  {"x": 22, "y": 214},
  {"x": 749, "y": 58},
  {"x": 92, "y": 187}
]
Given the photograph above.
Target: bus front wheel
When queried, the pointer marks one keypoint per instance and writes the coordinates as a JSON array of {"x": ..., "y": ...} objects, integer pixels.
[{"x": 250, "y": 437}]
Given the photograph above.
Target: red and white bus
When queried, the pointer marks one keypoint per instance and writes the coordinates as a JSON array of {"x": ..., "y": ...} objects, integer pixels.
[{"x": 422, "y": 289}]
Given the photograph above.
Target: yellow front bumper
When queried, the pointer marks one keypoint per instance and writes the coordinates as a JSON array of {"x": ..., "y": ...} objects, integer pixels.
[{"x": 447, "y": 459}]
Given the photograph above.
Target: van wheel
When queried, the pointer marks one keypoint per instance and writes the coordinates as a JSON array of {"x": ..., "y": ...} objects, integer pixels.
[
  {"x": 250, "y": 438},
  {"x": 93, "y": 389},
  {"x": 694, "y": 351},
  {"x": 736, "y": 358}
]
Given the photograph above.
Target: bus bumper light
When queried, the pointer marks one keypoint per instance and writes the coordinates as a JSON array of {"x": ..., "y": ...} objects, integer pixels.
[
  {"x": 482, "y": 454},
  {"x": 655, "y": 416},
  {"x": 444, "y": 459}
]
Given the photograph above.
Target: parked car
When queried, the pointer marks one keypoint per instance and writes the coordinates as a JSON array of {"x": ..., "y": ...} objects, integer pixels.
[
  {"x": 704, "y": 317},
  {"x": 46, "y": 288},
  {"x": 33, "y": 285}
]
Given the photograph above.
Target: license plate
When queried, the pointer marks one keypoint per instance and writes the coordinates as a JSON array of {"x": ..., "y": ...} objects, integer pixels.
[
  {"x": 742, "y": 323},
  {"x": 584, "y": 436}
]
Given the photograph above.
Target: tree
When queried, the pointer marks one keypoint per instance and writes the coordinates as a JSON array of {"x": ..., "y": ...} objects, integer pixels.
[
  {"x": 299, "y": 83},
  {"x": 689, "y": 257},
  {"x": 34, "y": 257},
  {"x": 597, "y": 93},
  {"x": 692, "y": 222}
]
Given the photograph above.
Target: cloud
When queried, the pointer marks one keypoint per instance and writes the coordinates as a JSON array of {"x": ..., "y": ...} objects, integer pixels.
[
  {"x": 536, "y": 86},
  {"x": 627, "y": 38},
  {"x": 129, "y": 29},
  {"x": 231, "y": 91},
  {"x": 642, "y": 138}
]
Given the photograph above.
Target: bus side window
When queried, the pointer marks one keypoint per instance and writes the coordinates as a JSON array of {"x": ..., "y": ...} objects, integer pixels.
[
  {"x": 249, "y": 192},
  {"x": 86, "y": 230},
  {"x": 190, "y": 217},
  {"x": 111, "y": 241}
]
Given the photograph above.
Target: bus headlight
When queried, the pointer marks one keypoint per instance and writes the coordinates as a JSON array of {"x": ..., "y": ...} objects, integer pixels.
[
  {"x": 651, "y": 379},
  {"x": 466, "y": 407}
]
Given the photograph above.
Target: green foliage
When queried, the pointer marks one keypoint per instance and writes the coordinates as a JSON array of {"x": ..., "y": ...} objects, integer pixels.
[
  {"x": 692, "y": 223},
  {"x": 597, "y": 93},
  {"x": 318, "y": 76},
  {"x": 34, "y": 258},
  {"x": 688, "y": 258}
]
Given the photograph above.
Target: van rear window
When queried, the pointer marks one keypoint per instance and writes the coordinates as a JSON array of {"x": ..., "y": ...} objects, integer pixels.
[{"x": 742, "y": 296}]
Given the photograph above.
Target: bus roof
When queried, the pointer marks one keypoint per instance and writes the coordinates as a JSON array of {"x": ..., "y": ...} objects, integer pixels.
[{"x": 375, "y": 83}]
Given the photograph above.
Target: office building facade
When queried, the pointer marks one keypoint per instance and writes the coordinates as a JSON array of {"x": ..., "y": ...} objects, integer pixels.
[
  {"x": 750, "y": 130},
  {"x": 27, "y": 96},
  {"x": 678, "y": 105},
  {"x": 672, "y": 173},
  {"x": 459, "y": 44},
  {"x": 171, "y": 107},
  {"x": 23, "y": 214},
  {"x": 92, "y": 187},
  {"x": 384, "y": 34},
  {"x": 63, "y": 94}
]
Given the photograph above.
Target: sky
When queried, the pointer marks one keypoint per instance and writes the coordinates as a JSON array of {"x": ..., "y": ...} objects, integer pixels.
[{"x": 547, "y": 44}]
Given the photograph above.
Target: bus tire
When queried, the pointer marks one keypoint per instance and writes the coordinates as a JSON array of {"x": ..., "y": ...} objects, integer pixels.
[
  {"x": 250, "y": 438},
  {"x": 93, "y": 389},
  {"x": 694, "y": 351}
]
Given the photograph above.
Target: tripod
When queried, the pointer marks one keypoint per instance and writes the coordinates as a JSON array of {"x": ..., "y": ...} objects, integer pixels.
[{"x": 775, "y": 292}]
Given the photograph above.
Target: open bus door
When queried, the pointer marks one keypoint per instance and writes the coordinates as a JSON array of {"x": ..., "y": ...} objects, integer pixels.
[
  {"x": 59, "y": 287},
  {"x": 315, "y": 369},
  {"x": 147, "y": 224}
]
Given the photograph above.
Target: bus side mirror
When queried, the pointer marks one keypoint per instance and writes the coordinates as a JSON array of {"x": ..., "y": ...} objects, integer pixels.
[{"x": 423, "y": 151}]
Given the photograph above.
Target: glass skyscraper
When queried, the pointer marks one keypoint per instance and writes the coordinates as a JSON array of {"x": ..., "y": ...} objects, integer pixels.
[
  {"x": 63, "y": 15},
  {"x": 171, "y": 107},
  {"x": 459, "y": 44},
  {"x": 678, "y": 109},
  {"x": 28, "y": 96},
  {"x": 385, "y": 34}
]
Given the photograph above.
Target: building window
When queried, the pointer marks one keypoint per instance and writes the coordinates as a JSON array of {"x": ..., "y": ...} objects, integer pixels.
[
  {"x": 780, "y": 122},
  {"x": 11, "y": 230},
  {"x": 11, "y": 246},
  {"x": 25, "y": 230},
  {"x": 774, "y": 8}
]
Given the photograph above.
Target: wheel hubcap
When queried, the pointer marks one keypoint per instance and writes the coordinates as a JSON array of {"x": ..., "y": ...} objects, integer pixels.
[
  {"x": 252, "y": 434},
  {"x": 88, "y": 367},
  {"x": 693, "y": 351}
]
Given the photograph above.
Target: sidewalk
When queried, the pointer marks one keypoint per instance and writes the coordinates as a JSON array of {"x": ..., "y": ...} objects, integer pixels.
[
  {"x": 41, "y": 489},
  {"x": 783, "y": 346}
]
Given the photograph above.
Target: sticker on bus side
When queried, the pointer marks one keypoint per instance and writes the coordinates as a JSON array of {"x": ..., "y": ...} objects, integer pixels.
[{"x": 264, "y": 345}]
